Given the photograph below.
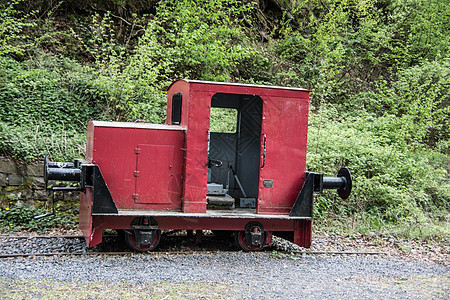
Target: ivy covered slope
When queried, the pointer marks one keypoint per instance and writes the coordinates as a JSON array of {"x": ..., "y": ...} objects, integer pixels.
[{"x": 379, "y": 72}]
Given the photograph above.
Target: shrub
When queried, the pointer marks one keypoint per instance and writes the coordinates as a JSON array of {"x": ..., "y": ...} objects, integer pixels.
[
  {"x": 391, "y": 180},
  {"x": 14, "y": 39},
  {"x": 192, "y": 39},
  {"x": 22, "y": 218},
  {"x": 45, "y": 109}
]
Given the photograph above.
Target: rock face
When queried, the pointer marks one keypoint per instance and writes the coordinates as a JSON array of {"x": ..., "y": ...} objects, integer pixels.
[{"x": 25, "y": 185}]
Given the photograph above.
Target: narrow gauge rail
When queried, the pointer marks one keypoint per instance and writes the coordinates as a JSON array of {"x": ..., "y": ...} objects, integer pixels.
[
  {"x": 173, "y": 252},
  {"x": 12, "y": 255}
]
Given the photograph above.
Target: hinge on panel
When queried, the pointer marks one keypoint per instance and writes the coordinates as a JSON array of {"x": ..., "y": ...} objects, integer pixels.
[
  {"x": 136, "y": 173},
  {"x": 135, "y": 197},
  {"x": 137, "y": 150}
]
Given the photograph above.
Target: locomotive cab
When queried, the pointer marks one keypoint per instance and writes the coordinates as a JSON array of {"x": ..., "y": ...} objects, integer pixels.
[{"x": 230, "y": 157}]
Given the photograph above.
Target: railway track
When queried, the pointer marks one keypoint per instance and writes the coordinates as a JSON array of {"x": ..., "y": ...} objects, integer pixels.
[
  {"x": 174, "y": 253},
  {"x": 185, "y": 251}
]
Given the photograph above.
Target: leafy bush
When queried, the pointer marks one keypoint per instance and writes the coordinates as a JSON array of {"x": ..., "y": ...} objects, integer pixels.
[
  {"x": 33, "y": 142},
  {"x": 391, "y": 182},
  {"x": 48, "y": 94},
  {"x": 340, "y": 48},
  {"x": 192, "y": 39},
  {"x": 22, "y": 218},
  {"x": 14, "y": 39},
  {"x": 44, "y": 109}
]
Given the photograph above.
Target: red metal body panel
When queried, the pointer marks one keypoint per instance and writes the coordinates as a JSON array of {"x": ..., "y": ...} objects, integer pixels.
[
  {"x": 141, "y": 163},
  {"x": 284, "y": 124},
  {"x": 300, "y": 228}
]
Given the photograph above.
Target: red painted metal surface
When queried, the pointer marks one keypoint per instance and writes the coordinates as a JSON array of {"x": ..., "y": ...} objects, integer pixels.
[
  {"x": 301, "y": 228},
  {"x": 284, "y": 124},
  {"x": 141, "y": 163}
]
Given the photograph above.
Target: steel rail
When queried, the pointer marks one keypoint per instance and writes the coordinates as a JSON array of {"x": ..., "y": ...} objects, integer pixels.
[
  {"x": 41, "y": 236},
  {"x": 296, "y": 253},
  {"x": 12, "y": 255}
]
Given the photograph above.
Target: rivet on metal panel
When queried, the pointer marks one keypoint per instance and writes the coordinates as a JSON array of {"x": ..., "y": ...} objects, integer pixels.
[
  {"x": 136, "y": 173},
  {"x": 137, "y": 150}
]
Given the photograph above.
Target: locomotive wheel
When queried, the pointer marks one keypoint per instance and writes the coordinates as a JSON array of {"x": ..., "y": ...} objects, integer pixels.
[
  {"x": 241, "y": 242},
  {"x": 131, "y": 241}
]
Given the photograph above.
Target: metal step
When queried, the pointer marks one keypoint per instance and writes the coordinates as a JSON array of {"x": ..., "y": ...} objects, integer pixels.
[{"x": 220, "y": 202}]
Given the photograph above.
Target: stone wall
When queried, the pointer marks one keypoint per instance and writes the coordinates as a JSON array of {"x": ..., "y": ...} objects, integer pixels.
[{"x": 24, "y": 184}]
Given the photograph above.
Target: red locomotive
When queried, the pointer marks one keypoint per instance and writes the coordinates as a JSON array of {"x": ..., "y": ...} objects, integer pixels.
[{"x": 250, "y": 179}]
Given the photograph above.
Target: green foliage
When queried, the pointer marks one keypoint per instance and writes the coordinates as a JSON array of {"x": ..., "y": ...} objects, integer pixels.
[
  {"x": 128, "y": 98},
  {"x": 419, "y": 100},
  {"x": 14, "y": 39},
  {"x": 391, "y": 182},
  {"x": 22, "y": 218},
  {"x": 192, "y": 39},
  {"x": 43, "y": 94},
  {"x": 420, "y": 30},
  {"x": 223, "y": 120},
  {"x": 338, "y": 48},
  {"x": 422, "y": 101},
  {"x": 45, "y": 108}
]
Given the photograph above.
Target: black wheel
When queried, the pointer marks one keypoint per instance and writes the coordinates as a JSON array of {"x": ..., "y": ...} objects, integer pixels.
[
  {"x": 241, "y": 242},
  {"x": 131, "y": 241}
]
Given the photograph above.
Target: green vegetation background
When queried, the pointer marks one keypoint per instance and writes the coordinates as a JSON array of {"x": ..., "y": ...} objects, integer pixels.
[{"x": 378, "y": 70}]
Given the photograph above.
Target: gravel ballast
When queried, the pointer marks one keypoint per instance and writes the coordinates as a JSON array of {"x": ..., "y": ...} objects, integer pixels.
[{"x": 261, "y": 275}]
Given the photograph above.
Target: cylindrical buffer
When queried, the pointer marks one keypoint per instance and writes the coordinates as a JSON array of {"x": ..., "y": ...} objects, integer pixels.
[
  {"x": 60, "y": 171},
  {"x": 63, "y": 174},
  {"x": 52, "y": 164},
  {"x": 343, "y": 183},
  {"x": 334, "y": 182}
]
